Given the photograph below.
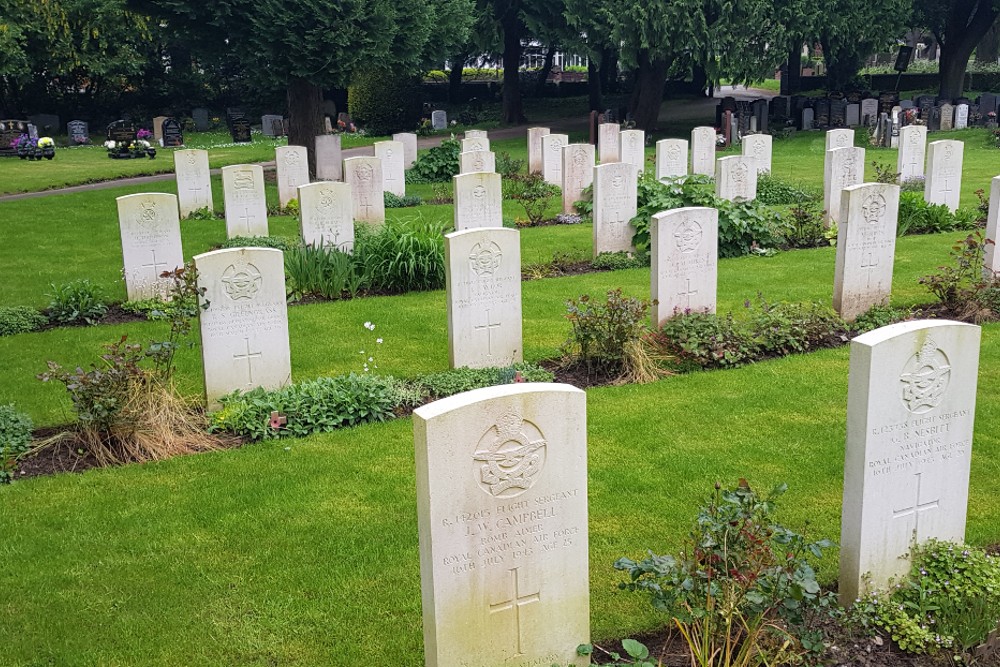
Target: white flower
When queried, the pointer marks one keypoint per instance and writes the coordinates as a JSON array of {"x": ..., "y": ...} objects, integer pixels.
[
  {"x": 109, "y": 144},
  {"x": 369, "y": 326},
  {"x": 370, "y": 359},
  {"x": 378, "y": 341}
]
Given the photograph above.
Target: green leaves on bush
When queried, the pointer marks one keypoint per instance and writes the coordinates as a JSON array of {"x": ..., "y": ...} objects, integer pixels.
[
  {"x": 531, "y": 192},
  {"x": 457, "y": 380},
  {"x": 436, "y": 165},
  {"x": 395, "y": 201},
  {"x": 916, "y": 216},
  {"x": 617, "y": 261},
  {"x": 319, "y": 271},
  {"x": 15, "y": 440},
  {"x": 76, "y": 302},
  {"x": 773, "y": 191},
  {"x": 401, "y": 258},
  {"x": 382, "y": 101},
  {"x": 276, "y": 242},
  {"x": 20, "y": 319}
]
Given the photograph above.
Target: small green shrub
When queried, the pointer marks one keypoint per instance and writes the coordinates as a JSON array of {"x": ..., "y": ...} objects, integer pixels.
[
  {"x": 806, "y": 227},
  {"x": 562, "y": 263},
  {"x": 321, "y": 272},
  {"x": 880, "y": 316},
  {"x": 436, "y": 165},
  {"x": 383, "y": 101},
  {"x": 395, "y": 201},
  {"x": 507, "y": 166},
  {"x": 20, "y": 319},
  {"x": 276, "y": 242},
  {"x": 15, "y": 440},
  {"x": 457, "y": 380},
  {"x": 885, "y": 172},
  {"x": 618, "y": 261},
  {"x": 203, "y": 213},
  {"x": 315, "y": 406},
  {"x": 773, "y": 191},
  {"x": 532, "y": 193},
  {"x": 76, "y": 302},
  {"x": 401, "y": 258},
  {"x": 916, "y": 216}
]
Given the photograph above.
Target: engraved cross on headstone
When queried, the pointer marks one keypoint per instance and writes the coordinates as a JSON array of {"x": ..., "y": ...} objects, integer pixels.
[
  {"x": 869, "y": 263},
  {"x": 916, "y": 508},
  {"x": 246, "y": 218},
  {"x": 617, "y": 225},
  {"x": 514, "y": 602},
  {"x": 249, "y": 356},
  {"x": 154, "y": 265},
  {"x": 194, "y": 185},
  {"x": 489, "y": 326},
  {"x": 687, "y": 294}
]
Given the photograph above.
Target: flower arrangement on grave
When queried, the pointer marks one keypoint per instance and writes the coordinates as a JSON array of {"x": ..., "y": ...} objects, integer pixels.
[
  {"x": 136, "y": 148},
  {"x": 48, "y": 147},
  {"x": 991, "y": 119},
  {"x": 143, "y": 135},
  {"x": 34, "y": 149}
]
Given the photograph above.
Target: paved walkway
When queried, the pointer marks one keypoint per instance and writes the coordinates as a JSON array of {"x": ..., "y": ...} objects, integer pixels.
[{"x": 686, "y": 109}]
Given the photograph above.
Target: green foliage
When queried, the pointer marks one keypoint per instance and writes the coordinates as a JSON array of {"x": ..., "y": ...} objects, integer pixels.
[
  {"x": 315, "y": 406},
  {"x": 744, "y": 227},
  {"x": 776, "y": 191},
  {"x": 401, "y": 258},
  {"x": 15, "y": 440},
  {"x": 436, "y": 165},
  {"x": 180, "y": 310},
  {"x": 77, "y": 302},
  {"x": 395, "y": 201},
  {"x": 532, "y": 193},
  {"x": 203, "y": 213},
  {"x": 457, "y": 380},
  {"x": 562, "y": 263},
  {"x": 617, "y": 261},
  {"x": 806, "y": 227},
  {"x": 507, "y": 166},
  {"x": 276, "y": 242},
  {"x": 885, "y": 172},
  {"x": 877, "y": 317},
  {"x": 949, "y": 600},
  {"x": 322, "y": 272},
  {"x": 708, "y": 340},
  {"x": 961, "y": 283},
  {"x": 637, "y": 654},
  {"x": 739, "y": 562},
  {"x": 20, "y": 319},
  {"x": 383, "y": 101},
  {"x": 916, "y": 216}
]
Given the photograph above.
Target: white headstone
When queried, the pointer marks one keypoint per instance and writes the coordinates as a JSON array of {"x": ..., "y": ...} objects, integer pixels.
[
  {"x": 475, "y": 161},
  {"x": 961, "y": 116},
  {"x": 842, "y": 168},
  {"x": 477, "y": 134},
  {"x": 502, "y": 517},
  {"x": 439, "y": 120},
  {"x": 329, "y": 165},
  {"x": 391, "y": 153},
  {"x": 853, "y": 116},
  {"x": 326, "y": 215},
  {"x": 896, "y": 116},
  {"x": 703, "y": 151},
  {"x": 671, "y": 158},
  {"x": 608, "y": 147},
  {"x": 293, "y": 171},
  {"x": 866, "y": 247},
  {"x": 244, "y": 330},
  {"x": 615, "y": 204},
  {"x": 483, "y": 280},
  {"x": 991, "y": 268},
  {"x": 475, "y": 144},
  {"x": 911, "y": 405},
  {"x": 633, "y": 149},
  {"x": 478, "y": 200},
  {"x": 552, "y": 145},
  {"x": 684, "y": 254},
  {"x": 912, "y": 150},
  {"x": 364, "y": 175},
  {"x": 535, "y": 135},
  {"x": 947, "y": 116},
  {"x": 578, "y": 173},
  {"x": 944, "y": 173},
  {"x": 757, "y": 147},
  {"x": 839, "y": 139},
  {"x": 246, "y": 207},
  {"x": 151, "y": 242},
  {"x": 736, "y": 178},
  {"x": 194, "y": 181},
  {"x": 409, "y": 141}
]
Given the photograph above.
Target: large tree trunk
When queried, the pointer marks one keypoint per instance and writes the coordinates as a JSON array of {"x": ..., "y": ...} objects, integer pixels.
[
  {"x": 988, "y": 50},
  {"x": 791, "y": 72},
  {"x": 511, "y": 22},
  {"x": 961, "y": 35},
  {"x": 609, "y": 70},
  {"x": 648, "y": 93},
  {"x": 543, "y": 74},
  {"x": 305, "y": 117},
  {"x": 455, "y": 78},
  {"x": 594, "y": 84}
]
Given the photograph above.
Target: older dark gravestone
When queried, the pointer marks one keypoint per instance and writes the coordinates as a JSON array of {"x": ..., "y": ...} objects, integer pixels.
[
  {"x": 239, "y": 130},
  {"x": 934, "y": 120},
  {"x": 200, "y": 118},
  {"x": 172, "y": 134},
  {"x": 887, "y": 100},
  {"x": 838, "y": 113},
  {"x": 778, "y": 107},
  {"x": 78, "y": 131},
  {"x": 10, "y": 131},
  {"x": 760, "y": 112},
  {"x": 47, "y": 122},
  {"x": 822, "y": 113},
  {"x": 987, "y": 103},
  {"x": 121, "y": 131}
]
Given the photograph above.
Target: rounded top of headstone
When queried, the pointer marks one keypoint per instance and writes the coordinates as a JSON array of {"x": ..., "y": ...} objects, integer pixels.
[
  {"x": 468, "y": 398},
  {"x": 891, "y": 331}
]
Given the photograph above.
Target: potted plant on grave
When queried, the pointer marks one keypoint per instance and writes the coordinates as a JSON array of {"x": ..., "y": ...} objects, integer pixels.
[
  {"x": 141, "y": 146},
  {"x": 25, "y": 147},
  {"x": 47, "y": 147}
]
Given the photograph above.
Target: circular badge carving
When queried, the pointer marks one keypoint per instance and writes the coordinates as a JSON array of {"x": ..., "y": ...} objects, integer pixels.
[
  {"x": 147, "y": 213},
  {"x": 674, "y": 153},
  {"x": 364, "y": 172},
  {"x": 873, "y": 209},
  {"x": 485, "y": 258},
  {"x": 509, "y": 457},
  {"x": 688, "y": 236},
  {"x": 925, "y": 379},
  {"x": 241, "y": 281}
]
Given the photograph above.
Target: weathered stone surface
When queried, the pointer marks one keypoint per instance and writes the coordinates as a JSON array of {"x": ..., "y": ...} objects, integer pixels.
[
  {"x": 703, "y": 151},
  {"x": 326, "y": 215},
  {"x": 246, "y": 207},
  {"x": 633, "y": 149},
  {"x": 991, "y": 258},
  {"x": 912, "y": 151},
  {"x": 364, "y": 175},
  {"x": 839, "y": 139},
  {"x": 552, "y": 145},
  {"x": 842, "y": 168},
  {"x": 608, "y": 147},
  {"x": 757, "y": 147},
  {"x": 535, "y": 161},
  {"x": 478, "y": 200},
  {"x": 409, "y": 141},
  {"x": 944, "y": 173},
  {"x": 391, "y": 153},
  {"x": 578, "y": 173},
  {"x": 475, "y": 144},
  {"x": 684, "y": 248},
  {"x": 194, "y": 181},
  {"x": 329, "y": 159},
  {"x": 671, "y": 158},
  {"x": 151, "y": 242},
  {"x": 476, "y": 161},
  {"x": 736, "y": 178},
  {"x": 293, "y": 171},
  {"x": 615, "y": 204}
]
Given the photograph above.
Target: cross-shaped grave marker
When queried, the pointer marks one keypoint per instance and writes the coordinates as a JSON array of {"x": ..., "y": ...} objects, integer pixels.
[
  {"x": 154, "y": 265},
  {"x": 869, "y": 263},
  {"x": 246, "y": 218},
  {"x": 489, "y": 326},
  {"x": 687, "y": 294},
  {"x": 916, "y": 508},
  {"x": 515, "y": 602},
  {"x": 249, "y": 356}
]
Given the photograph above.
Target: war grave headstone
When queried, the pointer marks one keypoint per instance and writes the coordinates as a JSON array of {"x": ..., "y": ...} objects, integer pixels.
[
  {"x": 911, "y": 404},
  {"x": 839, "y": 138},
  {"x": 736, "y": 178},
  {"x": 853, "y": 115},
  {"x": 943, "y": 184},
  {"x": 866, "y": 246},
  {"x": 842, "y": 168},
  {"x": 194, "y": 181},
  {"x": 475, "y": 144},
  {"x": 329, "y": 158},
  {"x": 912, "y": 149},
  {"x": 364, "y": 175},
  {"x": 869, "y": 110},
  {"x": 961, "y": 116},
  {"x": 608, "y": 146},
  {"x": 409, "y": 141},
  {"x": 504, "y": 568},
  {"x": 671, "y": 158},
  {"x": 246, "y": 206},
  {"x": 757, "y": 147},
  {"x": 483, "y": 283},
  {"x": 578, "y": 174},
  {"x": 991, "y": 258},
  {"x": 684, "y": 251},
  {"x": 633, "y": 149},
  {"x": 200, "y": 117},
  {"x": 478, "y": 200},
  {"x": 172, "y": 134},
  {"x": 270, "y": 125},
  {"x": 535, "y": 135},
  {"x": 239, "y": 130},
  {"x": 808, "y": 118},
  {"x": 292, "y": 171},
  {"x": 158, "y": 129},
  {"x": 151, "y": 242},
  {"x": 439, "y": 120},
  {"x": 703, "y": 151},
  {"x": 552, "y": 145},
  {"x": 244, "y": 329},
  {"x": 947, "y": 116},
  {"x": 471, "y": 162},
  {"x": 615, "y": 204},
  {"x": 477, "y": 134},
  {"x": 78, "y": 131},
  {"x": 326, "y": 215},
  {"x": 391, "y": 153}
]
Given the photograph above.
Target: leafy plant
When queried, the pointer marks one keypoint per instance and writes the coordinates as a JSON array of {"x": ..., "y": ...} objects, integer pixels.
[
  {"x": 395, "y": 201},
  {"x": 458, "y": 380},
  {"x": 276, "y": 242},
  {"x": 885, "y": 172},
  {"x": 180, "y": 310},
  {"x": 20, "y": 319},
  {"x": 618, "y": 261},
  {"x": 15, "y": 440},
  {"x": 401, "y": 258},
  {"x": 436, "y": 165},
  {"x": 638, "y": 654},
  {"x": 562, "y": 263},
  {"x": 806, "y": 227},
  {"x": 879, "y": 316},
  {"x": 317, "y": 271},
  {"x": 75, "y": 302},
  {"x": 916, "y": 216},
  {"x": 964, "y": 286},
  {"x": 773, "y": 191},
  {"x": 507, "y": 166},
  {"x": 532, "y": 193}
]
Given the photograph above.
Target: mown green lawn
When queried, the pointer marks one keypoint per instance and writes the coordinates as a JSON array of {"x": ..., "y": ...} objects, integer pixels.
[{"x": 304, "y": 552}]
